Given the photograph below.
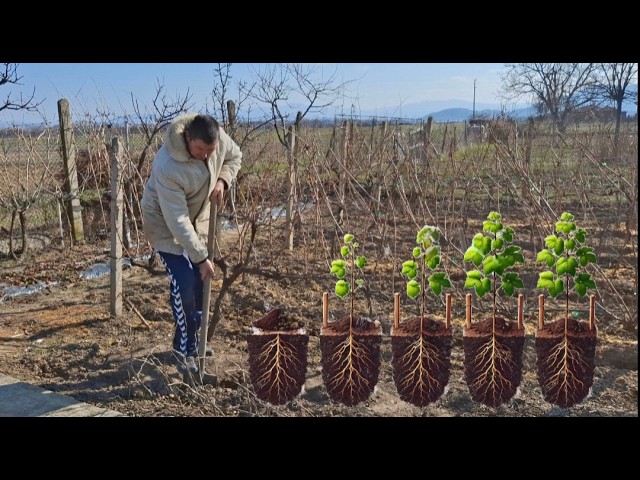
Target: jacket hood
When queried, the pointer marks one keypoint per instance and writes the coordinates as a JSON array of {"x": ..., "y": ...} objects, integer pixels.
[
  {"x": 175, "y": 203},
  {"x": 174, "y": 138}
]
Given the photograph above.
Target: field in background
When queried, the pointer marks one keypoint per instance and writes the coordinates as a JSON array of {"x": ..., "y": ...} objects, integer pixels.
[{"x": 366, "y": 178}]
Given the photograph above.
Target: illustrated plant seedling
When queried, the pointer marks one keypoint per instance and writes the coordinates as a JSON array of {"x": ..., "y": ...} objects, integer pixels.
[
  {"x": 421, "y": 346},
  {"x": 493, "y": 346},
  {"x": 277, "y": 349},
  {"x": 350, "y": 347},
  {"x": 566, "y": 348}
]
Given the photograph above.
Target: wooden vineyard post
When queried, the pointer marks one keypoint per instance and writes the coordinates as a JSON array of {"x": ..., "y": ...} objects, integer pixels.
[
  {"x": 68, "y": 146},
  {"x": 447, "y": 309},
  {"x": 380, "y": 147},
  {"x": 426, "y": 141},
  {"x": 592, "y": 312},
  {"x": 346, "y": 155},
  {"x": 291, "y": 160},
  {"x": 468, "y": 311},
  {"x": 117, "y": 198}
]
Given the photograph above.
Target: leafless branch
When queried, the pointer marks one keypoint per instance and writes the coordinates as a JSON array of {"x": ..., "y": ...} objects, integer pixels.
[{"x": 9, "y": 76}]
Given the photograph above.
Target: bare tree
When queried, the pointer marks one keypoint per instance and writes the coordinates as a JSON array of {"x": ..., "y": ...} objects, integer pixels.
[
  {"x": 557, "y": 88},
  {"x": 9, "y": 75},
  {"x": 612, "y": 86},
  {"x": 246, "y": 131},
  {"x": 23, "y": 178},
  {"x": 284, "y": 88},
  {"x": 287, "y": 88},
  {"x": 165, "y": 110},
  {"x": 220, "y": 91}
]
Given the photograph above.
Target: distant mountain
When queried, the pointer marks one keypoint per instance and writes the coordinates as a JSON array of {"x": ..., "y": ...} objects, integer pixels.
[
  {"x": 451, "y": 115},
  {"x": 463, "y": 114},
  {"x": 461, "y": 110},
  {"x": 448, "y": 111},
  {"x": 426, "y": 108}
]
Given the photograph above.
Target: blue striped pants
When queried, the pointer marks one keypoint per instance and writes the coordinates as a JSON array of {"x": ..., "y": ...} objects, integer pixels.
[{"x": 186, "y": 288}]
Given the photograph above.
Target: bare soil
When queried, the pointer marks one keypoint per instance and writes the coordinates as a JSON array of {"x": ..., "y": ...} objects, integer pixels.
[{"x": 62, "y": 338}]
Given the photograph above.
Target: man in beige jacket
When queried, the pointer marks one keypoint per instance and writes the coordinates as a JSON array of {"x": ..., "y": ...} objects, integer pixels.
[{"x": 194, "y": 167}]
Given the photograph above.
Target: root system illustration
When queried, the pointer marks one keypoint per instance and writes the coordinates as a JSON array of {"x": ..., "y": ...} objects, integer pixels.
[
  {"x": 493, "y": 346},
  {"x": 493, "y": 360},
  {"x": 421, "y": 360},
  {"x": 277, "y": 358},
  {"x": 566, "y": 361},
  {"x": 350, "y": 356},
  {"x": 566, "y": 347}
]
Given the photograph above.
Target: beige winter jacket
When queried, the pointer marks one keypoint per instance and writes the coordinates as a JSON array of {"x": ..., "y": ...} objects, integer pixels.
[{"x": 175, "y": 203}]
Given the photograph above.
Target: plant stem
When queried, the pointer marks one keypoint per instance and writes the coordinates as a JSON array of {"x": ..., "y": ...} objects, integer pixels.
[
  {"x": 566, "y": 308},
  {"x": 423, "y": 294},
  {"x": 495, "y": 292},
  {"x": 353, "y": 292},
  {"x": 566, "y": 311},
  {"x": 495, "y": 295}
]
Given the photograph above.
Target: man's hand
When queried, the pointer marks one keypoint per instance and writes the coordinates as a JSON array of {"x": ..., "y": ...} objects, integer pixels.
[
  {"x": 217, "y": 194},
  {"x": 206, "y": 269}
]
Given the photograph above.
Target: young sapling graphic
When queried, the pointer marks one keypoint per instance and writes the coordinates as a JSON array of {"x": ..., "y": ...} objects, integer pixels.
[
  {"x": 567, "y": 254},
  {"x": 421, "y": 346},
  {"x": 426, "y": 258},
  {"x": 348, "y": 266},
  {"x": 566, "y": 348},
  {"x": 493, "y": 347},
  {"x": 350, "y": 347},
  {"x": 497, "y": 255}
]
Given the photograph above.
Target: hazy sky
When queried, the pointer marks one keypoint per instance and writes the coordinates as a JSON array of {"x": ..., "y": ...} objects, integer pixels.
[{"x": 380, "y": 87}]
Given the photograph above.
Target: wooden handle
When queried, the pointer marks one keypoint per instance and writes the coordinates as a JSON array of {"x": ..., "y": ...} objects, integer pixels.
[
  {"x": 211, "y": 237},
  {"x": 468, "y": 301},
  {"x": 206, "y": 293},
  {"x": 592, "y": 312}
]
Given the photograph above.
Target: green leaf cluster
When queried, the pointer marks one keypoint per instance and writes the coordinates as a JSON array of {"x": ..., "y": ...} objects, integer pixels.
[
  {"x": 566, "y": 256},
  {"x": 493, "y": 250},
  {"x": 350, "y": 261},
  {"x": 426, "y": 258}
]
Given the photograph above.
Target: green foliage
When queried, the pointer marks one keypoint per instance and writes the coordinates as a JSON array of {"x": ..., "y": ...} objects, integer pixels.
[
  {"x": 496, "y": 254},
  {"x": 567, "y": 256},
  {"x": 426, "y": 258},
  {"x": 348, "y": 265}
]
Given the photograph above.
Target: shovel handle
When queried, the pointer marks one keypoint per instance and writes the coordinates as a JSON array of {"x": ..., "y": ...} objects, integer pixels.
[{"x": 206, "y": 294}]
